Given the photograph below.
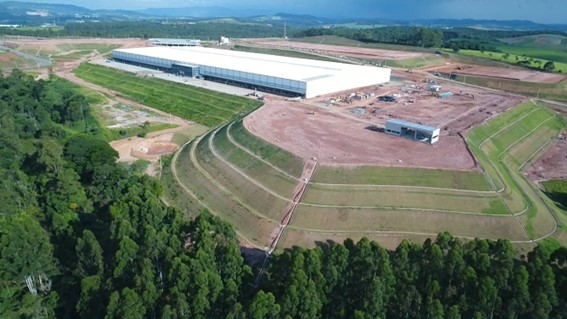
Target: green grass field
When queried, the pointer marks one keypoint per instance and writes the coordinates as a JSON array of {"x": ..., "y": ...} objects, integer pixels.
[
  {"x": 250, "y": 194},
  {"x": 339, "y": 220},
  {"x": 551, "y": 47},
  {"x": 200, "y": 105},
  {"x": 76, "y": 55},
  {"x": 408, "y": 198},
  {"x": 139, "y": 130},
  {"x": 374, "y": 175},
  {"x": 100, "y": 48},
  {"x": 504, "y": 145},
  {"x": 284, "y": 160},
  {"x": 560, "y": 65},
  {"x": 200, "y": 189},
  {"x": 555, "y": 55},
  {"x": 253, "y": 167},
  {"x": 189, "y": 134}
]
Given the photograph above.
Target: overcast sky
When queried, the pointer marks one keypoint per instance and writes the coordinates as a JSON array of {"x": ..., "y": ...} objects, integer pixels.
[{"x": 543, "y": 11}]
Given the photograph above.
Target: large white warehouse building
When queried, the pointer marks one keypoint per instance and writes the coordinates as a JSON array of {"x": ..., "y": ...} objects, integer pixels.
[{"x": 293, "y": 76}]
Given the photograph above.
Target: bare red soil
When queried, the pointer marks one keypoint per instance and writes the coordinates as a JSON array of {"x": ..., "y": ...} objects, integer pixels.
[
  {"x": 552, "y": 165},
  {"x": 340, "y": 50},
  {"x": 504, "y": 73},
  {"x": 328, "y": 131}
]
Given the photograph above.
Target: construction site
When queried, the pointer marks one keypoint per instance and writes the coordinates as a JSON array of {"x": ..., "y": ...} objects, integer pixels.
[
  {"x": 511, "y": 73},
  {"x": 299, "y": 171},
  {"x": 341, "y": 128},
  {"x": 338, "y": 50}
]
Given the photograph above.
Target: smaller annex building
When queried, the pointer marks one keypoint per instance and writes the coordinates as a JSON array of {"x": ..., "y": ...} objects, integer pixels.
[{"x": 414, "y": 131}]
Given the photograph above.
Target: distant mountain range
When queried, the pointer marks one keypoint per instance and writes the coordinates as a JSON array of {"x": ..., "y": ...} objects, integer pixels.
[{"x": 29, "y": 13}]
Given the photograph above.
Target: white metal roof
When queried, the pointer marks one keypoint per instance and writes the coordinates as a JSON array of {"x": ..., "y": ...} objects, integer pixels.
[
  {"x": 270, "y": 65},
  {"x": 160, "y": 41},
  {"x": 417, "y": 126}
]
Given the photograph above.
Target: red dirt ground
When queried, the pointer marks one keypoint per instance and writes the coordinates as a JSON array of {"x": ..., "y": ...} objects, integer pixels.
[
  {"x": 5, "y": 57},
  {"x": 161, "y": 148},
  {"x": 341, "y": 50},
  {"x": 504, "y": 73},
  {"x": 333, "y": 135},
  {"x": 52, "y": 43},
  {"x": 335, "y": 139},
  {"x": 552, "y": 165}
]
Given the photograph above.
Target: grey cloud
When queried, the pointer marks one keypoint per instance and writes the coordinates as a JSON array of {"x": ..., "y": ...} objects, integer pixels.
[{"x": 549, "y": 11}]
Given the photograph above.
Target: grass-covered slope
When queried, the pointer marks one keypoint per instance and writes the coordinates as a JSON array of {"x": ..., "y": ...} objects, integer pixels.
[{"x": 196, "y": 104}]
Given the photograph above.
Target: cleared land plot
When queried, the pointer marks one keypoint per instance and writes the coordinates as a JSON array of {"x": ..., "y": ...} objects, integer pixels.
[
  {"x": 505, "y": 73},
  {"x": 509, "y": 141},
  {"x": 188, "y": 134},
  {"x": 374, "y": 175},
  {"x": 334, "y": 138},
  {"x": 288, "y": 124},
  {"x": 9, "y": 60},
  {"x": 552, "y": 165},
  {"x": 251, "y": 194},
  {"x": 200, "y": 105},
  {"x": 548, "y": 91},
  {"x": 340, "y": 41},
  {"x": 280, "y": 158},
  {"x": 369, "y": 53},
  {"x": 252, "y": 167},
  {"x": 426, "y": 199},
  {"x": 415, "y": 63},
  {"x": 61, "y": 45},
  {"x": 287, "y": 53},
  {"x": 405, "y": 221},
  {"x": 256, "y": 228}
]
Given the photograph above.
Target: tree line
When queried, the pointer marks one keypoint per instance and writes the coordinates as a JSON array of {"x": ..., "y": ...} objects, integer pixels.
[
  {"x": 412, "y": 36},
  {"x": 453, "y": 38},
  {"x": 152, "y": 29},
  {"x": 82, "y": 236}
]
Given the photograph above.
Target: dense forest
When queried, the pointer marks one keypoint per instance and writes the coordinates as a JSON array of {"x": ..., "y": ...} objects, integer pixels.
[
  {"x": 455, "y": 38},
  {"x": 84, "y": 237},
  {"x": 153, "y": 29}
]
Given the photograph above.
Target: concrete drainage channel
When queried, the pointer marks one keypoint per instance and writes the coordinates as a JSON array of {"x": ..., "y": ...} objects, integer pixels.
[{"x": 308, "y": 171}]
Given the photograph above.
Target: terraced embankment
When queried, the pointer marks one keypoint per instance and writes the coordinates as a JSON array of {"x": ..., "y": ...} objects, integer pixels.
[{"x": 253, "y": 184}]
